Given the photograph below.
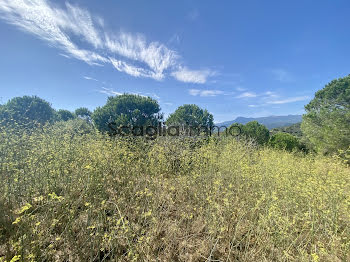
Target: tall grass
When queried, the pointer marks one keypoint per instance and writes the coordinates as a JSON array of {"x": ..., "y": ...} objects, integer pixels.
[{"x": 87, "y": 197}]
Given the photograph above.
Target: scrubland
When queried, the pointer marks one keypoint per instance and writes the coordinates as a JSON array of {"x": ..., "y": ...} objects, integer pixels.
[{"x": 88, "y": 197}]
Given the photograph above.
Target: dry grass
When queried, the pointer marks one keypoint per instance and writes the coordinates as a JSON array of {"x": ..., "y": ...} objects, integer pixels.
[{"x": 86, "y": 197}]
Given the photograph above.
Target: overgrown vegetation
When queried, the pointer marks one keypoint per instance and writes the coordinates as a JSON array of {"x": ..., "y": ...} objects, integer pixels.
[
  {"x": 72, "y": 193},
  {"x": 86, "y": 197}
]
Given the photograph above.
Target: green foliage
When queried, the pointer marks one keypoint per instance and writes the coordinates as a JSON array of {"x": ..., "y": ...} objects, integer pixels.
[
  {"x": 327, "y": 120},
  {"x": 191, "y": 115},
  {"x": 255, "y": 131},
  {"x": 294, "y": 130},
  {"x": 284, "y": 141},
  {"x": 65, "y": 115},
  {"x": 83, "y": 112},
  {"x": 127, "y": 109},
  {"x": 26, "y": 112}
]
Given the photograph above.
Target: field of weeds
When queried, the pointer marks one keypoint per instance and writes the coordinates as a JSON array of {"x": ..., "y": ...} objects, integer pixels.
[{"x": 87, "y": 197}]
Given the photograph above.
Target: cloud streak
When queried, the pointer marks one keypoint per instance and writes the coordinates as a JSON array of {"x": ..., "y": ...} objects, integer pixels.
[
  {"x": 109, "y": 91},
  {"x": 192, "y": 76},
  {"x": 90, "y": 78},
  {"x": 247, "y": 95},
  {"x": 205, "y": 93},
  {"x": 288, "y": 100},
  {"x": 126, "y": 52}
]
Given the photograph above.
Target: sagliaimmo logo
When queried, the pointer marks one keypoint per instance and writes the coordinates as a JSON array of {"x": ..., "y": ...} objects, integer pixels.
[{"x": 161, "y": 129}]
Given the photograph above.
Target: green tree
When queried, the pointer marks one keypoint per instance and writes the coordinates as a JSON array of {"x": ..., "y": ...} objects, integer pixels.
[
  {"x": 127, "y": 110},
  {"x": 65, "y": 115},
  {"x": 191, "y": 115},
  {"x": 292, "y": 129},
  {"x": 26, "y": 111},
  {"x": 83, "y": 112},
  {"x": 256, "y": 131},
  {"x": 326, "y": 123},
  {"x": 284, "y": 141}
]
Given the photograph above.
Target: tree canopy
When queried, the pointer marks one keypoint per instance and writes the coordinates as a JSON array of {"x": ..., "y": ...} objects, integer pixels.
[
  {"x": 327, "y": 120},
  {"x": 27, "y": 111},
  {"x": 191, "y": 115},
  {"x": 127, "y": 110},
  {"x": 256, "y": 131},
  {"x": 65, "y": 115},
  {"x": 83, "y": 112}
]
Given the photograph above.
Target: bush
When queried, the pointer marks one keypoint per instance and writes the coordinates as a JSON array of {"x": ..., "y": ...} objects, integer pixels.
[
  {"x": 72, "y": 127},
  {"x": 284, "y": 141}
]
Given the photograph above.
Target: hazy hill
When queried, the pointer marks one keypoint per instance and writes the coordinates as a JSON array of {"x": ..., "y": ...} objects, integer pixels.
[{"x": 269, "y": 121}]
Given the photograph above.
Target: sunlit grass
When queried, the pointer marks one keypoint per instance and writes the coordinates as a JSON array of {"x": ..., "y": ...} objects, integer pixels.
[{"x": 88, "y": 197}]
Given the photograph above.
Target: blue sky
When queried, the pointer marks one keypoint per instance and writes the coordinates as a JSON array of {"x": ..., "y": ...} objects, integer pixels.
[{"x": 234, "y": 58}]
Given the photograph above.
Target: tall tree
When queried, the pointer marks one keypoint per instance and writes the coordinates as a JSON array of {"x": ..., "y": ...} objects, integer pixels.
[
  {"x": 127, "y": 110},
  {"x": 327, "y": 120},
  {"x": 65, "y": 115},
  {"x": 83, "y": 112},
  {"x": 26, "y": 111},
  {"x": 255, "y": 131},
  {"x": 191, "y": 115}
]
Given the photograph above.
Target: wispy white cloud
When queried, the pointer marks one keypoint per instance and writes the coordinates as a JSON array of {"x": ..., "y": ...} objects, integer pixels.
[
  {"x": 90, "y": 78},
  {"x": 156, "y": 56},
  {"x": 128, "y": 53},
  {"x": 192, "y": 76},
  {"x": 133, "y": 70},
  {"x": 112, "y": 92},
  {"x": 152, "y": 95},
  {"x": 109, "y": 91},
  {"x": 241, "y": 89},
  {"x": 247, "y": 95},
  {"x": 269, "y": 93},
  {"x": 66, "y": 56},
  {"x": 205, "y": 93},
  {"x": 288, "y": 100},
  {"x": 50, "y": 24}
]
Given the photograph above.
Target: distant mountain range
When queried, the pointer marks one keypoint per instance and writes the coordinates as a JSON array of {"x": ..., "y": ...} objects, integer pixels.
[{"x": 269, "y": 121}]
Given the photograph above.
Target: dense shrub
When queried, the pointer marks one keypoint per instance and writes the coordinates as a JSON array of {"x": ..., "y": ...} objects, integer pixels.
[
  {"x": 254, "y": 131},
  {"x": 73, "y": 127},
  {"x": 284, "y": 141}
]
